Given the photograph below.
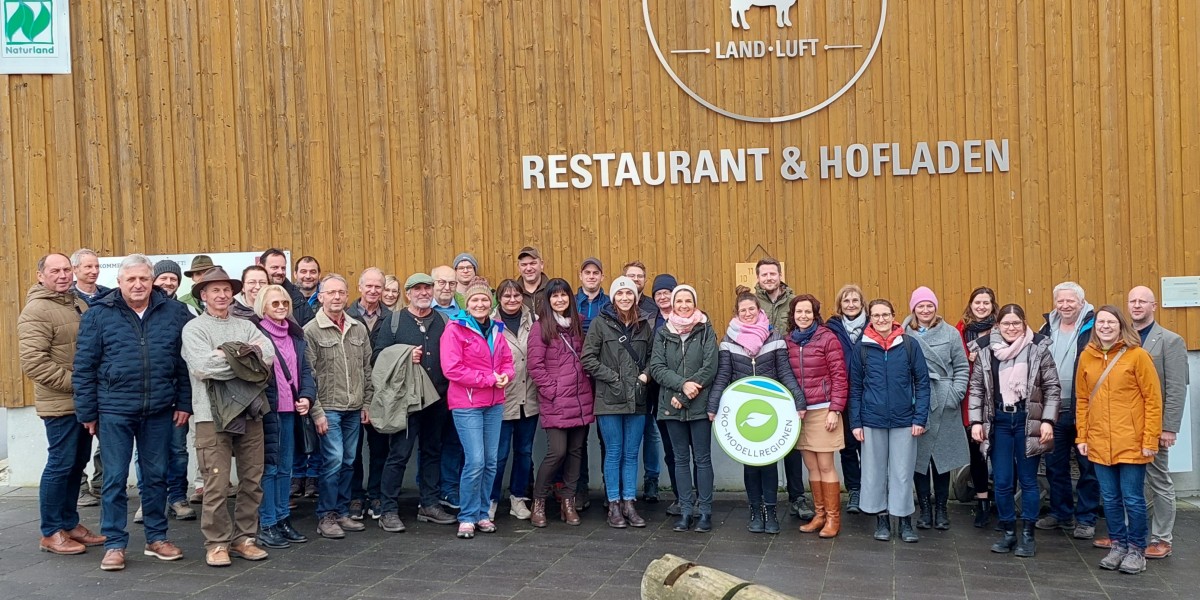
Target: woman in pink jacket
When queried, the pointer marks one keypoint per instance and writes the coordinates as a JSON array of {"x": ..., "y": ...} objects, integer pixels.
[
  {"x": 564, "y": 396},
  {"x": 478, "y": 364}
]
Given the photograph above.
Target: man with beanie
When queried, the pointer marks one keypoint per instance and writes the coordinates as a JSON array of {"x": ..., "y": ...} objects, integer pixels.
[
  {"x": 47, "y": 329},
  {"x": 167, "y": 276},
  {"x": 466, "y": 268},
  {"x": 661, "y": 293},
  {"x": 591, "y": 299},
  {"x": 1069, "y": 327},
  {"x": 420, "y": 326},
  {"x": 656, "y": 442}
]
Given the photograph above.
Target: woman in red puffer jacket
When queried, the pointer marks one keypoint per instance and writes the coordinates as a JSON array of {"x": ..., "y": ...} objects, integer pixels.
[{"x": 820, "y": 367}]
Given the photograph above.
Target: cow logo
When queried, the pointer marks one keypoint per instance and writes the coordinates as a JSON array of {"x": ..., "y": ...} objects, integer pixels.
[
  {"x": 765, "y": 61},
  {"x": 756, "y": 423}
]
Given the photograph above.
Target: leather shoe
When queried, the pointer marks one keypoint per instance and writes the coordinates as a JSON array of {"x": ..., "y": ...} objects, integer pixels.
[
  {"x": 84, "y": 536},
  {"x": 114, "y": 560},
  {"x": 289, "y": 533},
  {"x": 164, "y": 550},
  {"x": 270, "y": 537},
  {"x": 61, "y": 543},
  {"x": 247, "y": 550},
  {"x": 1103, "y": 542},
  {"x": 1158, "y": 549},
  {"x": 217, "y": 556}
]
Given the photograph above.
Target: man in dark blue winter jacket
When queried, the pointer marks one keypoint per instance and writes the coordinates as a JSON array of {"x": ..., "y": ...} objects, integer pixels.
[{"x": 131, "y": 385}]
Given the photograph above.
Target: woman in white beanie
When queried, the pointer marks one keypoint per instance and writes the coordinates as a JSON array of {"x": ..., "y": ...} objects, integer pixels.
[{"x": 615, "y": 353}]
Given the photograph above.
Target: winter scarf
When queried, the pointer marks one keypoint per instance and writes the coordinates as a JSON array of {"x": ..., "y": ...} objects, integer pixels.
[
  {"x": 1014, "y": 365},
  {"x": 854, "y": 327},
  {"x": 563, "y": 322},
  {"x": 803, "y": 336},
  {"x": 285, "y": 350},
  {"x": 978, "y": 328},
  {"x": 750, "y": 336},
  {"x": 886, "y": 342},
  {"x": 683, "y": 326}
]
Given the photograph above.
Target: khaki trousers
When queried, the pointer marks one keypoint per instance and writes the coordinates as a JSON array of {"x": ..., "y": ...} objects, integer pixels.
[{"x": 215, "y": 453}]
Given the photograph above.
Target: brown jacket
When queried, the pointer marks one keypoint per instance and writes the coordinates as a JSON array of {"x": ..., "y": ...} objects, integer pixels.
[
  {"x": 1041, "y": 405},
  {"x": 1125, "y": 415},
  {"x": 47, "y": 330}
]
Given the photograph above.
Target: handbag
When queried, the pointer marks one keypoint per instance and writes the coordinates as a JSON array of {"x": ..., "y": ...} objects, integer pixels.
[{"x": 307, "y": 439}]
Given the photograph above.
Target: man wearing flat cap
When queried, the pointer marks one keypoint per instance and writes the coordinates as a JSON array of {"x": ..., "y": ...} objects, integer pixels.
[
  {"x": 207, "y": 340},
  {"x": 131, "y": 385}
]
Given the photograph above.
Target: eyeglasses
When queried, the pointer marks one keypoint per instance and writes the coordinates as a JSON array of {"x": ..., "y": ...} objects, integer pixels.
[
  {"x": 281, "y": 304},
  {"x": 1141, "y": 302},
  {"x": 335, "y": 292},
  {"x": 1012, "y": 325},
  {"x": 465, "y": 269},
  {"x": 881, "y": 317},
  {"x": 443, "y": 283}
]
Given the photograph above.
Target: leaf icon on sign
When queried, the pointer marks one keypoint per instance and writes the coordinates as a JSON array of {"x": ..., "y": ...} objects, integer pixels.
[{"x": 756, "y": 419}]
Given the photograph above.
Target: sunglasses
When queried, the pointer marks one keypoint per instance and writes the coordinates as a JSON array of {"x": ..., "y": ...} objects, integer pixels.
[{"x": 280, "y": 304}]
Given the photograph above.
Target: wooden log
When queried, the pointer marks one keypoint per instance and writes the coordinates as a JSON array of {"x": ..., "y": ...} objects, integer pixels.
[
  {"x": 661, "y": 575},
  {"x": 675, "y": 578},
  {"x": 760, "y": 592}
]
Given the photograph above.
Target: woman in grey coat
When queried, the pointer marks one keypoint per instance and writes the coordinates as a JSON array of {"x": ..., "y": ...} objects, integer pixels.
[{"x": 943, "y": 448}]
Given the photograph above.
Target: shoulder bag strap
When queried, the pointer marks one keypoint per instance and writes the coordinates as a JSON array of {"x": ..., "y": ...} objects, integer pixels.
[{"x": 1107, "y": 370}]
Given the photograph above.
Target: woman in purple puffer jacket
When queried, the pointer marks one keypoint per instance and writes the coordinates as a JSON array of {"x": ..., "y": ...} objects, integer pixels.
[{"x": 564, "y": 396}]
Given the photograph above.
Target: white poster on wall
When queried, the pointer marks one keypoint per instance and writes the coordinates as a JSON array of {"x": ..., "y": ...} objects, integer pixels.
[
  {"x": 36, "y": 37},
  {"x": 232, "y": 262},
  {"x": 1180, "y": 458}
]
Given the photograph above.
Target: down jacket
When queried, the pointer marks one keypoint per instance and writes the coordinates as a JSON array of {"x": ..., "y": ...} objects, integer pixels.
[
  {"x": 521, "y": 393},
  {"x": 734, "y": 363},
  {"x": 1041, "y": 405},
  {"x": 1125, "y": 415},
  {"x": 675, "y": 361},
  {"x": 47, "y": 330},
  {"x": 564, "y": 388},
  {"x": 618, "y": 389},
  {"x": 470, "y": 362},
  {"x": 130, "y": 366},
  {"x": 820, "y": 369},
  {"x": 887, "y": 391}
]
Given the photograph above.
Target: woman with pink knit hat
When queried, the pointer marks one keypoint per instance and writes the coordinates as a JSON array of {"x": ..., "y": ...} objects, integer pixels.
[{"x": 943, "y": 447}]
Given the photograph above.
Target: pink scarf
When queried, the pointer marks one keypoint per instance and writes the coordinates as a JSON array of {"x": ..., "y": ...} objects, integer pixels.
[
  {"x": 750, "y": 336},
  {"x": 1014, "y": 365},
  {"x": 684, "y": 326},
  {"x": 286, "y": 351}
]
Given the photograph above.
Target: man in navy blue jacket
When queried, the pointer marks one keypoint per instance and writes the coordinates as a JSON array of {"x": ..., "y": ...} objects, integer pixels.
[{"x": 131, "y": 384}]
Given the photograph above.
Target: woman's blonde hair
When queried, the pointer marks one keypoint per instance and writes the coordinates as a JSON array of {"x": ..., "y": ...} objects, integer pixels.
[
  {"x": 849, "y": 288},
  {"x": 1127, "y": 333},
  {"x": 260, "y": 303}
]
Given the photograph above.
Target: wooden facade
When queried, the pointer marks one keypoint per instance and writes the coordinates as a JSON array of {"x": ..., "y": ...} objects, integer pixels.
[{"x": 390, "y": 133}]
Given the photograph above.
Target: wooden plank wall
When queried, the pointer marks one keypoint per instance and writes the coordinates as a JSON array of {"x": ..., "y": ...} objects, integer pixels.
[{"x": 389, "y": 133}]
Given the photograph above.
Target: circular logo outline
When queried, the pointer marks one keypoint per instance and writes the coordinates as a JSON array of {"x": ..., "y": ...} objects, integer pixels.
[
  {"x": 727, "y": 422},
  {"x": 778, "y": 119}
]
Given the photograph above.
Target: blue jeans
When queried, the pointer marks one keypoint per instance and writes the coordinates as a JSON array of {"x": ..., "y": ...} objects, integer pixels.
[
  {"x": 622, "y": 440},
  {"x": 451, "y": 463},
  {"x": 479, "y": 432},
  {"x": 70, "y": 447},
  {"x": 177, "y": 466},
  {"x": 1063, "y": 503},
  {"x": 516, "y": 435},
  {"x": 307, "y": 465},
  {"x": 1124, "y": 500},
  {"x": 117, "y": 434},
  {"x": 277, "y": 477},
  {"x": 1009, "y": 464},
  {"x": 651, "y": 448},
  {"x": 338, "y": 448}
]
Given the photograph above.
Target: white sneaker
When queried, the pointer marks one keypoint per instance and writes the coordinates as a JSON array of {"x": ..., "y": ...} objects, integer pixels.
[
  {"x": 137, "y": 516},
  {"x": 492, "y": 512},
  {"x": 519, "y": 508}
]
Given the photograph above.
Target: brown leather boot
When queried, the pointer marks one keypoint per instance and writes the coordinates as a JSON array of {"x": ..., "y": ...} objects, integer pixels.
[
  {"x": 631, "y": 515},
  {"x": 833, "y": 509},
  {"x": 818, "y": 521},
  {"x": 537, "y": 517},
  {"x": 569, "y": 515},
  {"x": 615, "y": 519},
  {"x": 61, "y": 543}
]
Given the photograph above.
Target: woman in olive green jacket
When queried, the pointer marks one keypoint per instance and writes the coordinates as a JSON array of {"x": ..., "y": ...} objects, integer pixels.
[{"x": 684, "y": 363}]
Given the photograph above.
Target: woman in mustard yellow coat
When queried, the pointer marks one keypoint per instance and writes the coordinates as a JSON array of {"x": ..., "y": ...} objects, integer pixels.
[{"x": 1119, "y": 418}]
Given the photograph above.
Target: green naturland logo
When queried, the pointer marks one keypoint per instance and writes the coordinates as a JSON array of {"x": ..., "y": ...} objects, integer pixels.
[
  {"x": 757, "y": 423},
  {"x": 28, "y": 27}
]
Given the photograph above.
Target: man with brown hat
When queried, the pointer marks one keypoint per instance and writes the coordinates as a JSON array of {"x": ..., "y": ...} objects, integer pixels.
[
  {"x": 201, "y": 264},
  {"x": 216, "y": 448}
]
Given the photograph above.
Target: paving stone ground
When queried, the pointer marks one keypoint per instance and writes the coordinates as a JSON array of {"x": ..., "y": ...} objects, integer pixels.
[{"x": 590, "y": 561}]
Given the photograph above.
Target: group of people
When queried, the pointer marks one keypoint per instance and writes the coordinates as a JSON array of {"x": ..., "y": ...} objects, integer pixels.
[{"x": 304, "y": 392}]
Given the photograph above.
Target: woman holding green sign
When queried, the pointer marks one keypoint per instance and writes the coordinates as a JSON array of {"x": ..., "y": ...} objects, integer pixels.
[
  {"x": 750, "y": 349},
  {"x": 684, "y": 363}
]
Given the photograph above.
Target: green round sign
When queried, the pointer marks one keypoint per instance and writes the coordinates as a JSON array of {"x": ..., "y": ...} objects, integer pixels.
[{"x": 757, "y": 423}]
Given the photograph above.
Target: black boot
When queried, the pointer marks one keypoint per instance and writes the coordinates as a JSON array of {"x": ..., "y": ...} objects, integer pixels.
[
  {"x": 983, "y": 512},
  {"x": 941, "y": 518},
  {"x": 883, "y": 527},
  {"x": 683, "y": 523},
  {"x": 908, "y": 535},
  {"x": 270, "y": 537},
  {"x": 1005, "y": 544},
  {"x": 289, "y": 533},
  {"x": 756, "y": 519},
  {"x": 770, "y": 519},
  {"x": 925, "y": 518},
  {"x": 704, "y": 524},
  {"x": 1026, "y": 547}
]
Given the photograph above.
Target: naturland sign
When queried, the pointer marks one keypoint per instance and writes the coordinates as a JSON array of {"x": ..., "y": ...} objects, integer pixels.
[
  {"x": 813, "y": 52},
  {"x": 36, "y": 37}
]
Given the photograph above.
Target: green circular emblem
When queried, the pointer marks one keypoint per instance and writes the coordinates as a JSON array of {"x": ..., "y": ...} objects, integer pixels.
[
  {"x": 756, "y": 423},
  {"x": 756, "y": 420}
]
